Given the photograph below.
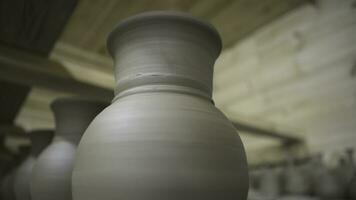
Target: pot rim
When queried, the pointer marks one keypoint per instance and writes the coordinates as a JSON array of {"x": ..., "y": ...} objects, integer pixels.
[{"x": 156, "y": 15}]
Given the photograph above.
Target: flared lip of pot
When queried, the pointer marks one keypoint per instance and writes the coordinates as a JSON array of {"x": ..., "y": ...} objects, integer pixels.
[
  {"x": 158, "y": 15},
  {"x": 64, "y": 101}
]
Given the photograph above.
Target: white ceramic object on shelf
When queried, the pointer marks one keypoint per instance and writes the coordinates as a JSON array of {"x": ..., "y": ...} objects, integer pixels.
[
  {"x": 351, "y": 190},
  {"x": 22, "y": 177},
  {"x": 52, "y": 174},
  {"x": 325, "y": 182},
  {"x": 7, "y": 183},
  {"x": 162, "y": 137}
]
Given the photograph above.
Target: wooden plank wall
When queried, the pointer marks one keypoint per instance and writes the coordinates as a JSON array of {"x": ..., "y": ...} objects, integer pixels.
[{"x": 296, "y": 73}]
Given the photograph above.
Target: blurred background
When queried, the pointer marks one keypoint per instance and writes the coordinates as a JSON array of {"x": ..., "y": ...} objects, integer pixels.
[{"x": 285, "y": 78}]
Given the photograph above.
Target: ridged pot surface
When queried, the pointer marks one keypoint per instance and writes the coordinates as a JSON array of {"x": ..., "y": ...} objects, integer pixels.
[
  {"x": 51, "y": 179},
  {"x": 161, "y": 138}
]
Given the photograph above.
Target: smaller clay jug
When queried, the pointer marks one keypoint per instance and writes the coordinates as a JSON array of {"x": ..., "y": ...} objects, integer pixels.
[
  {"x": 270, "y": 186},
  {"x": 7, "y": 183},
  {"x": 296, "y": 181},
  {"x": 255, "y": 195},
  {"x": 325, "y": 183},
  {"x": 52, "y": 173},
  {"x": 352, "y": 185},
  {"x": 255, "y": 178},
  {"x": 22, "y": 178},
  {"x": 5, "y": 156}
]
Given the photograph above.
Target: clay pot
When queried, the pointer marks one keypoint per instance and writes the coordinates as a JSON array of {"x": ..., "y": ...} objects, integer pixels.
[
  {"x": 52, "y": 173},
  {"x": 22, "y": 177},
  {"x": 325, "y": 183},
  {"x": 351, "y": 190},
  {"x": 255, "y": 177},
  {"x": 298, "y": 197},
  {"x": 296, "y": 181},
  {"x": 6, "y": 157},
  {"x": 270, "y": 183},
  {"x": 255, "y": 195},
  {"x": 162, "y": 137},
  {"x": 7, "y": 183}
]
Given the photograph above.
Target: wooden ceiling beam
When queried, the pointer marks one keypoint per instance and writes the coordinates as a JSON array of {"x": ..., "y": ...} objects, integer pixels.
[
  {"x": 254, "y": 130},
  {"x": 26, "y": 69},
  {"x": 34, "y": 25},
  {"x": 12, "y": 130},
  {"x": 11, "y": 101}
]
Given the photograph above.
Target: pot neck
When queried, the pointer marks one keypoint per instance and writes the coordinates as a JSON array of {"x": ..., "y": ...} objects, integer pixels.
[
  {"x": 164, "y": 52},
  {"x": 73, "y": 116}
]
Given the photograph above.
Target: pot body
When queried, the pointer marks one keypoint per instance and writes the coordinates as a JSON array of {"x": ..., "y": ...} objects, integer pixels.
[
  {"x": 22, "y": 177},
  {"x": 296, "y": 181},
  {"x": 7, "y": 183},
  {"x": 270, "y": 184},
  {"x": 51, "y": 179},
  {"x": 53, "y": 171},
  {"x": 352, "y": 188},
  {"x": 162, "y": 137},
  {"x": 160, "y": 146},
  {"x": 7, "y": 187},
  {"x": 327, "y": 186}
]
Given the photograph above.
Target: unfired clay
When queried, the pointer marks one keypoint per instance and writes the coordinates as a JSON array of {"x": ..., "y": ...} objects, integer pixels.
[{"x": 162, "y": 138}]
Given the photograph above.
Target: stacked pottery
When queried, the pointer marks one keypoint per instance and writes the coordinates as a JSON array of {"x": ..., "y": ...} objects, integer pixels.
[
  {"x": 270, "y": 183},
  {"x": 255, "y": 177},
  {"x": 5, "y": 157},
  {"x": 343, "y": 173},
  {"x": 297, "y": 197},
  {"x": 254, "y": 195},
  {"x": 39, "y": 139},
  {"x": 352, "y": 185},
  {"x": 52, "y": 173},
  {"x": 325, "y": 183},
  {"x": 162, "y": 137},
  {"x": 7, "y": 183},
  {"x": 296, "y": 180},
  {"x": 7, "y": 190}
]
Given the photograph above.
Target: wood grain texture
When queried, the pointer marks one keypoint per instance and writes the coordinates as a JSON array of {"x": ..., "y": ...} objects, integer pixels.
[{"x": 33, "y": 25}]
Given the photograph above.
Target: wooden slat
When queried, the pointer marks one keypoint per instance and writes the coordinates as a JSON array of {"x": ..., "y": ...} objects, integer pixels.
[
  {"x": 11, "y": 100},
  {"x": 33, "y": 25},
  {"x": 26, "y": 69},
  {"x": 250, "y": 129}
]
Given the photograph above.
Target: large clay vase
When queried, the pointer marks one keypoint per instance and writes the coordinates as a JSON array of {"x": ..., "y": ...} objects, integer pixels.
[
  {"x": 52, "y": 173},
  {"x": 40, "y": 140},
  {"x": 162, "y": 137}
]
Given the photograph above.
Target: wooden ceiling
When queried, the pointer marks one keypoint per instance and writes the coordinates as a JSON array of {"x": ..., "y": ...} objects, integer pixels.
[
  {"x": 235, "y": 19},
  {"x": 81, "y": 49}
]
